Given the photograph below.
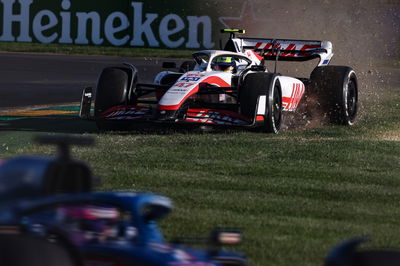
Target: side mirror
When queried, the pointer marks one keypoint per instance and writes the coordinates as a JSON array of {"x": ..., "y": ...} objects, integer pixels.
[
  {"x": 257, "y": 68},
  {"x": 169, "y": 65}
]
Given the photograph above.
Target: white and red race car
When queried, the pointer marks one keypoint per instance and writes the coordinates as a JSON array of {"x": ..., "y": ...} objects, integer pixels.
[{"x": 229, "y": 87}]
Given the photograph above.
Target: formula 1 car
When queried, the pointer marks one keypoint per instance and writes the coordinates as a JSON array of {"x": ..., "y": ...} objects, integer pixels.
[
  {"x": 229, "y": 87},
  {"x": 51, "y": 199}
]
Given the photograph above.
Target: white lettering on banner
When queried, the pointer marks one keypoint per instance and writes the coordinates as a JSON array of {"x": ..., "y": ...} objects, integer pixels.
[
  {"x": 194, "y": 23},
  {"x": 147, "y": 29},
  {"x": 83, "y": 19},
  {"x": 39, "y": 27},
  {"x": 165, "y": 32},
  {"x": 22, "y": 18},
  {"x": 140, "y": 28},
  {"x": 110, "y": 30},
  {"x": 66, "y": 23}
]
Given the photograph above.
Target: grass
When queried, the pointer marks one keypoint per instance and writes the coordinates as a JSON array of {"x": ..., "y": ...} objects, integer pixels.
[
  {"x": 93, "y": 50},
  {"x": 295, "y": 194}
]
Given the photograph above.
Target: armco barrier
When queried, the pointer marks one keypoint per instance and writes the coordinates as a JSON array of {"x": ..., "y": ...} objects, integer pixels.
[{"x": 155, "y": 23}]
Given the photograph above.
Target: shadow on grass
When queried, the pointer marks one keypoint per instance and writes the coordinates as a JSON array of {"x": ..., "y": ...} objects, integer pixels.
[
  {"x": 75, "y": 125},
  {"x": 68, "y": 124},
  {"x": 170, "y": 128},
  {"x": 54, "y": 123}
]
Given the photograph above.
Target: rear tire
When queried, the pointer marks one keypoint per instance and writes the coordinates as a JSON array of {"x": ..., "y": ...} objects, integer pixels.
[
  {"x": 336, "y": 88},
  {"x": 273, "y": 117},
  {"x": 255, "y": 85}
]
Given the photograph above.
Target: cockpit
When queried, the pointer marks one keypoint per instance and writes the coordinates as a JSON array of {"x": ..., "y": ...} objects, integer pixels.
[{"x": 213, "y": 60}]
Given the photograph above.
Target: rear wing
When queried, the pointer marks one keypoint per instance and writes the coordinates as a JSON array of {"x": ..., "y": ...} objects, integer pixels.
[{"x": 284, "y": 49}]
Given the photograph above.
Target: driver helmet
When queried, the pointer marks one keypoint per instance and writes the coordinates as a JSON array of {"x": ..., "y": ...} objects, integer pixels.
[{"x": 224, "y": 63}]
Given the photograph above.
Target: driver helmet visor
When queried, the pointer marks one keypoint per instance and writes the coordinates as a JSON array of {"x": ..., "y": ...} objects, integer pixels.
[{"x": 224, "y": 62}]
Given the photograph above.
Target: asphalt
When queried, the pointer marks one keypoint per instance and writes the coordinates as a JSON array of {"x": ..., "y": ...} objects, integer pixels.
[
  {"x": 48, "y": 79},
  {"x": 44, "y": 79}
]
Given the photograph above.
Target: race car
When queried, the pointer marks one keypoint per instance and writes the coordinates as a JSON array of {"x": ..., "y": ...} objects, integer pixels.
[
  {"x": 230, "y": 87},
  {"x": 50, "y": 201},
  {"x": 119, "y": 228}
]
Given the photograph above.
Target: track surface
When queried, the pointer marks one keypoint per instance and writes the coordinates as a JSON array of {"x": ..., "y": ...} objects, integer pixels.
[
  {"x": 55, "y": 81},
  {"x": 40, "y": 79},
  {"x": 48, "y": 79}
]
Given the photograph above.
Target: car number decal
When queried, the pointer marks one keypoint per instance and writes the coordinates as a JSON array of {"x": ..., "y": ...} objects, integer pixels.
[{"x": 184, "y": 84}]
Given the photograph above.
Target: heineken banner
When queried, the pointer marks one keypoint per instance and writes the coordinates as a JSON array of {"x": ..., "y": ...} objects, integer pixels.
[
  {"x": 196, "y": 24},
  {"x": 155, "y": 23}
]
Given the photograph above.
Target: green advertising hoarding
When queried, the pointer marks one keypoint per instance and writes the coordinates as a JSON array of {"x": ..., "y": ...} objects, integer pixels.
[{"x": 156, "y": 23}]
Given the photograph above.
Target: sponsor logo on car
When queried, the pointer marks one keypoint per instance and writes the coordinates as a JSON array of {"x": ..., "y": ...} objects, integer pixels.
[
  {"x": 214, "y": 117},
  {"x": 122, "y": 113},
  {"x": 188, "y": 78}
]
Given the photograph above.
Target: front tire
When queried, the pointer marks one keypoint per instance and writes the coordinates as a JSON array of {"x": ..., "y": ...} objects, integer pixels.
[
  {"x": 112, "y": 90},
  {"x": 256, "y": 85}
]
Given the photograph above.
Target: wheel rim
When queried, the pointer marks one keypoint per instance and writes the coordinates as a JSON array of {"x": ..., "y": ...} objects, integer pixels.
[
  {"x": 351, "y": 99},
  {"x": 277, "y": 107}
]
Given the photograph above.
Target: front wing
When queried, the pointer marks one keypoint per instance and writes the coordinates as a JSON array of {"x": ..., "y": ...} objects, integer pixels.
[{"x": 149, "y": 112}]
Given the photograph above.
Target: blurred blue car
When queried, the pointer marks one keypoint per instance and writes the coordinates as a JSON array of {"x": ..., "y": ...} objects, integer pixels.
[{"x": 52, "y": 198}]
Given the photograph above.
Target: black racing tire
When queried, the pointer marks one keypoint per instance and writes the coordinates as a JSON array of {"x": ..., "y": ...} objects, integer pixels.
[
  {"x": 273, "y": 117},
  {"x": 336, "y": 88},
  {"x": 112, "y": 89},
  {"x": 255, "y": 85},
  {"x": 187, "y": 66}
]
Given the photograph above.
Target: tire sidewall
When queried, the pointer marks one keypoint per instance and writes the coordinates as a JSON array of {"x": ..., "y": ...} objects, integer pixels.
[
  {"x": 349, "y": 119},
  {"x": 272, "y": 125},
  {"x": 330, "y": 85}
]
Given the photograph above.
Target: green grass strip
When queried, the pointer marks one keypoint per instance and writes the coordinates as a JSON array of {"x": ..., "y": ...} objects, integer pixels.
[{"x": 93, "y": 50}]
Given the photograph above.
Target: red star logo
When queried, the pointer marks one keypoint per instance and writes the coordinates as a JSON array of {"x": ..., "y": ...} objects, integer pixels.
[{"x": 246, "y": 20}]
